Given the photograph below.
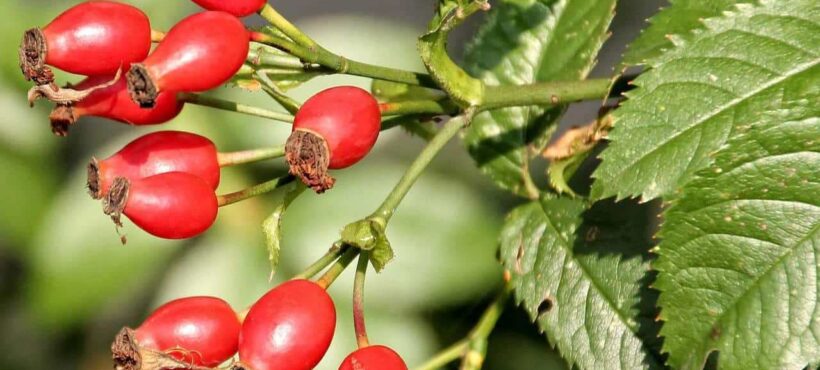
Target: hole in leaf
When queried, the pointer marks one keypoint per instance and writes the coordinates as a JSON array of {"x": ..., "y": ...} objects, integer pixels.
[{"x": 545, "y": 306}]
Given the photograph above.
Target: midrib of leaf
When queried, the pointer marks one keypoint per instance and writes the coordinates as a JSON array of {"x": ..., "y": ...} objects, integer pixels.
[
  {"x": 794, "y": 72},
  {"x": 570, "y": 256}
]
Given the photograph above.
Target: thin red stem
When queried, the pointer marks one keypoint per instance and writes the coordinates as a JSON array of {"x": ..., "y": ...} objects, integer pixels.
[{"x": 358, "y": 301}]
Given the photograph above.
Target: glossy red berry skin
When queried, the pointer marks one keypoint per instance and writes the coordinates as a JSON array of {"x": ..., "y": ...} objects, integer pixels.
[
  {"x": 373, "y": 358},
  {"x": 160, "y": 152},
  {"x": 289, "y": 328},
  {"x": 203, "y": 331},
  {"x": 114, "y": 102},
  {"x": 238, "y": 8},
  {"x": 347, "y": 118},
  {"x": 97, "y": 37},
  {"x": 172, "y": 205},
  {"x": 199, "y": 53}
]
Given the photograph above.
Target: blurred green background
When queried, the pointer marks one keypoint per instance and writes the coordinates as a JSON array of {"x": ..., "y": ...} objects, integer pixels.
[{"x": 67, "y": 284}]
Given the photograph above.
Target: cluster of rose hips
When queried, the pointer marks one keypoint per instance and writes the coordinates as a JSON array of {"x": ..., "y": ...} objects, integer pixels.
[
  {"x": 165, "y": 182},
  {"x": 289, "y": 328}
]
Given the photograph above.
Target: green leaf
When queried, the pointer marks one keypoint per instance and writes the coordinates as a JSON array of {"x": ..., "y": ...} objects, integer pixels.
[
  {"x": 581, "y": 276},
  {"x": 706, "y": 90},
  {"x": 272, "y": 226},
  {"x": 523, "y": 42},
  {"x": 738, "y": 264},
  {"x": 679, "y": 18}
]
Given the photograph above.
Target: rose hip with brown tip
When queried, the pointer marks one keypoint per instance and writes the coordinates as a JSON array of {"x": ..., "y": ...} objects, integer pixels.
[
  {"x": 114, "y": 102},
  {"x": 92, "y": 38},
  {"x": 153, "y": 154},
  {"x": 198, "y": 331},
  {"x": 199, "y": 53},
  {"x": 333, "y": 129},
  {"x": 172, "y": 205}
]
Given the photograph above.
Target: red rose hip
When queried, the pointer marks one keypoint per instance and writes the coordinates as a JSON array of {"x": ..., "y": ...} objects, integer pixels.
[
  {"x": 333, "y": 129},
  {"x": 201, "y": 331},
  {"x": 238, "y": 8},
  {"x": 92, "y": 38},
  {"x": 373, "y": 358},
  {"x": 114, "y": 102},
  {"x": 289, "y": 328},
  {"x": 172, "y": 205},
  {"x": 200, "y": 53},
  {"x": 153, "y": 154}
]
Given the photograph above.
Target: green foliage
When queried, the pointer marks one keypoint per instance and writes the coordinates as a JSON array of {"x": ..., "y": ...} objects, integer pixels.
[
  {"x": 272, "y": 226},
  {"x": 522, "y": 42},
  {"x": 463, "y": 89},
  {"x": 709, "y": 88},
  {"x": 680, "y": 18},
  {"x": 738, "y": 262},
  {"x": 581, "y": 275},
  {"x": 369, "y": 235}
]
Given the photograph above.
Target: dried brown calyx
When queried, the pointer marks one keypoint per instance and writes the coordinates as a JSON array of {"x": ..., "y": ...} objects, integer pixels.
[
  {"x": 66, "y": 95},
  {"x": 128, "y": 354},
  {"x": 62, "y": 117},
  {"x": 114, "y": 202},
  {"x": 142, "y": 88},
  {"x": 308, "y": 156},
  {"x": 32, "y": 55},
  {"x": 93, "y": 182}
]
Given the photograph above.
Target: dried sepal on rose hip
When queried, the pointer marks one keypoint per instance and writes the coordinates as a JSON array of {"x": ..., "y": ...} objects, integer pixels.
[
  {"x": 199, "y": 53},
  {"x": 171, "y": 205},
  {"x": 289, "y": 328},
  {"x": 112, "y": 102},
  {"x": 92, "y": 38},
  {"x": 375, "y": 357},
  {"x": 187, "y": 333},
  {"x": 238, "y": 8},
  {"x": 333, "y": 129},
  {"x": 153, "y": 154}
]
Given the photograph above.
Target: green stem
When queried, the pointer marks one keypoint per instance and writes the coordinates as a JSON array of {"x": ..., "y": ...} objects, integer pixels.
[
  {"x": 256, "y": 190},
  {"x": 446, "y": 356},
  {"x": 490, "y": 316},
  {"x": 322, "y": 263},
  {"x": 270, "y": 88},
  {"x": 546, "y": 93},
  {"x": 234, "y": 107},
  {"x": 358, "y": 300},
  {"x": 289, "y": 29},
  {"x": 247, "y": 156},
  {"x": 330, "y": 276},
  {"x": 418, "y": 107},
  {"x": 319, "y": 55},
  {"x": 265, "y": 56},
  {"x": 450, "y": 129}
]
